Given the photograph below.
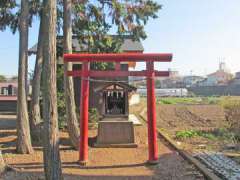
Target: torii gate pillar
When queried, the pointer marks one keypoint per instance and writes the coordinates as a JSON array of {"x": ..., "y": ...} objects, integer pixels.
[
  {"x": 151, "y": 115},
  {"x": 83, "y": 140},
  {"x": 150, "y": 73}
]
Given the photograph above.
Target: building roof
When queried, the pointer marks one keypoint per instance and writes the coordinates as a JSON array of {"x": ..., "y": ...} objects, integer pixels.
[
  {"x": 123, "y": 85},
  {"x": 219, "y": 73},
  {"x": 127, "y": 46}
]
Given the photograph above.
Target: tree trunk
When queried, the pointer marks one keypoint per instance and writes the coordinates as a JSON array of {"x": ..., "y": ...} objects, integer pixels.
[
  {"x": 35, "y": 116},
  {"x": 24, "y": 144},
  {"x": 52, "y": 161},
  {"x": 26, "y": 79},
  {"x": 72, "y": 123},
  {"x": 2, "y": 164}
]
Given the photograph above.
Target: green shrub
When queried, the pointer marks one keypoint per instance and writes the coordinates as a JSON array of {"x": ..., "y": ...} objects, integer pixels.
[
  {"x": 93, "y": 115},
  {"x": 207, "y": 135},
  {"x": 232, "y": 113}
]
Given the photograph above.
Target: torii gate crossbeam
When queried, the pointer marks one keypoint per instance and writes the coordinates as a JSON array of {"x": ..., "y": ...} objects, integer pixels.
[{"x": 150, "y": 73}]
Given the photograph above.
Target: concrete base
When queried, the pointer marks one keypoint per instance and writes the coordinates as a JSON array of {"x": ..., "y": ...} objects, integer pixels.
[
  {"x": 115, "y": 134},
  {"x": 83, "y": 163},
  {"x": 152, "y": 162}
]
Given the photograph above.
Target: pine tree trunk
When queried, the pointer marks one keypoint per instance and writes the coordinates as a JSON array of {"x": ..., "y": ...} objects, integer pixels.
[
  {"x": 2, "y": 164},
  {"x": 35, "y": 116},
  {"x": 26, "y": 80},
  {"x": 52, "y": 161},
  {"x": 24, "y": 144},
  {"x": 72, "y": 123}
]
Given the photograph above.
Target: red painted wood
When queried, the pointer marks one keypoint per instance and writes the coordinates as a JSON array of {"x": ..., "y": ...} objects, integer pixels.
[
  {"x": 120, "y": 57},
  {"x": 117, "y": 66},
  {"x": 151, "y": 114},
  {"x": 116, "y": 73},
  {"x": 83, "y": 144}
]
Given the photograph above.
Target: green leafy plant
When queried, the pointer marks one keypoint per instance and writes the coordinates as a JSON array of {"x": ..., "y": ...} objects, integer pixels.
[
  {"x": 93, "y": 115},
  {"x": 186, "y": 134},
  {"x": 194, "y": 133},
  {"x": 220, "y": 134}
]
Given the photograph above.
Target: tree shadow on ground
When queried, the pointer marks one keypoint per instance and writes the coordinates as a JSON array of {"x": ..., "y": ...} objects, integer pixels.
[
  {"x": 7, "y": 122},
  {"x": 73, "y": 165},
  {"x": 7, "y": 133},
  {"x": 8, "y": 147},
  {"x": 23, "y": 175}
]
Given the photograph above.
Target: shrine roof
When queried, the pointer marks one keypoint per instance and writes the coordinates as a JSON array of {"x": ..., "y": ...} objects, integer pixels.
[{"x": 125, "y": 86}]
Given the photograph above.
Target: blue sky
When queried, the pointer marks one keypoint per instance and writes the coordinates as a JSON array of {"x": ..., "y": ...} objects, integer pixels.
[{"x": 198, "y": 33}]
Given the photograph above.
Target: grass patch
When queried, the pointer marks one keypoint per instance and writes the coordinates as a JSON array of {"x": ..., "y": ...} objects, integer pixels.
[
  {"x": 217, "y": 134},
  {"x": 189, "y": 100},
  {"x": 211, "y": 100},
  {"x": 179, "y": 100}
]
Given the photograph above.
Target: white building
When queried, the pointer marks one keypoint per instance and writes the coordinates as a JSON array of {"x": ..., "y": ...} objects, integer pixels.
[{"x": 173, "y": 92}]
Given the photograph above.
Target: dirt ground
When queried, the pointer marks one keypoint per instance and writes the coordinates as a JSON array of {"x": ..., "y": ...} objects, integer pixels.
[
  {"x": 183, "y": 117},
  {"x": 104, "y": 163},
  {"x": 206, "y": 118}
]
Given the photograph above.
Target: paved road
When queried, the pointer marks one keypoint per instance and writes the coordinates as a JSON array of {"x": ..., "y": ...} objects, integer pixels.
[{"x": 7, "y": 121}]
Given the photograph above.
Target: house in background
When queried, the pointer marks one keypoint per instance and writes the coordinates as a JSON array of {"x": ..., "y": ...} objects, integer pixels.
[
  {"x": 190, "y": 81},
  {"x": 8, "y": 96},
  {"x": 173, "y": 81},
  {"x": 221, "y": 77},
  {"x": 8, "y": 88}
]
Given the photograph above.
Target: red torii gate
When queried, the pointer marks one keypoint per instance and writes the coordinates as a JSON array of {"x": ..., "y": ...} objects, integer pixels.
[{"x": 150, "y": 73}]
